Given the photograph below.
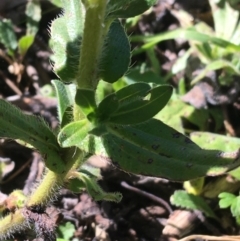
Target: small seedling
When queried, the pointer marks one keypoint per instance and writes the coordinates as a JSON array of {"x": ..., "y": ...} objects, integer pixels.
[{"x": 229, "y": 200}]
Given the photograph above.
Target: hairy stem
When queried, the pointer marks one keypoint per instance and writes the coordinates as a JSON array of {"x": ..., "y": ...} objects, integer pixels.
[
  {"x": 53, "y": 181},
  {"x": 92, "y": 43},
  {"x": 91, "y": 47},
  {"x": 44, "y": 193},
  {"x": 11, "y": 223}
]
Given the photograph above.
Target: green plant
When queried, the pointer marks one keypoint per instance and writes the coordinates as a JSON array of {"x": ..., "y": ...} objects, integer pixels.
[
  {"x": 217, "y": 48},
  {"x": 183, "y": 199},
  {"x": 16, "y": 49},
  {"x": 213, "y": 57},
  {"x": 90, "y": 44},
  {"x": 194, "y": 196},
  {"x": 65, "y": 232},
  {"x": 230, "y": 200},
  {"x": 8, "y": 37}
]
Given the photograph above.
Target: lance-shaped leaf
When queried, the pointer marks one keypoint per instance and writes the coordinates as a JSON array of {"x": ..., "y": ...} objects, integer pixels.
[
  {"x": 140, "y": 109},
  {"x": 24, "y": 44},
  {"x": 189, "y": 34},
  {"x": 77, "y": 185},
  {"x": 127, "y": 8},
  {"x": 95, "y": 190},
  {"x": 107, "y": 106},
  {"x": 132, "y": 93},
  {"x": 154, "y": 149},
  {"x": 121, "y": 98},
  {"x": 115, "y": 58},
  {"x": 66, "y": 34},
  {"x": 14, "y": 124},
  {"x": 73, "y": 133}
]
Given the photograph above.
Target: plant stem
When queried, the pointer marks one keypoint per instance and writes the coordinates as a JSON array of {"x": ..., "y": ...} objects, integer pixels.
[
  {"x": 11, "y": 223},
  {"x": 92, "y": 43},
  {"x": 46, "y": 190},
  {"x": 91, "y": 47},
  {"x": 52, "y": 181},
  {"x": 44, "y": 193}
]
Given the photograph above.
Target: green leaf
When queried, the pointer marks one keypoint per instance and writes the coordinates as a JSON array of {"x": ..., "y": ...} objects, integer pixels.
[
  {"x": 165, "y": 152},
  {"x": 57, "y": 3},
  {"x": 127, "y": 8},
  {"x": 132, "y": 92},
  {"x": 85, "y": 98},
  {"x": 25, "y": 43},
  {"x": 67, "y": 116},
  {"x": 66, "y": 230},
  {"x": 135, "y": 75},
  {"x": 96, "y": 191},
  {"x": 75, "y": 185},
  {"x": 140, "y": 110},
  {"x": 173, "y": 113},
  {"x": 215, "y": 141},
  {"x": 73, "y": 133},
  {"x": 91, "y": 171},
  {"x": 189, "y": 34},
  {"x": 215, "y": 65},
  {"x": 154, "y": 149},
  {"x": 93, "y": 145},
  {"x": 14, "y": 124},
  {"x": 123, "y": 97},
  {"x": 115, "y": 58},
  {"x": 66, "y": 35},
  {"x": 107, "y": 106},
  {"x": 65, "y": 96},
  {"x": 189, "y": 201},
  {"x": 206, "y": 51},
  {"x": 226, "y": 199},
  {"x": 78, "y": 185},
  {"x": 181, "y": 62},
  {"x": 7, "y": 35},
  {"x": 225, "y": 19},
  {"x": 176, "y": 110},
  {"x": 230, "y": 200},
  {"x": 33, "y": 13}
]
